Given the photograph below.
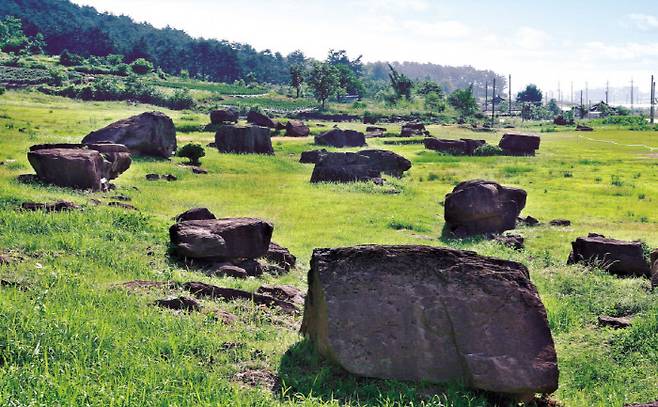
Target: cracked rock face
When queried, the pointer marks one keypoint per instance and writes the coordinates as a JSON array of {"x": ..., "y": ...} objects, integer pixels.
[{"x": 433, "y": 314}]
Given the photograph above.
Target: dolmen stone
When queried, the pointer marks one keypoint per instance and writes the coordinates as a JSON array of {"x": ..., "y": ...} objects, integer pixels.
[
  {"x": 229, "y": 238},
  {"x": 413, "y": 129},
  {"x": 519, "y": 144},
  {"x": 224, "y": 116},
  {"x": 516, "y": 242},
  {"x": 387, "y": 162},
  {"x": 79, "y": 166},
  {"x": 654, "y": 268},
  {"x": 281, "y": 256},
  {"x": 150, "y": 134},
  {"x": 420, "y": 313},
  {"x": 479, "y": 207},
  {"x": 260, "y": 119},
  {"x": 582, "y": 127},
  {"x": 297, "y": 128},
  {"x": 341, "y": 138},
  {"x": 312, "y": 156},
  {"x": 619, "y": 257},
  {"x": 456, "y": 147},
  {"x": 195, "y": 214},
  {"x": 344, "y": 167},
  {"x": 244, "y": 140}
]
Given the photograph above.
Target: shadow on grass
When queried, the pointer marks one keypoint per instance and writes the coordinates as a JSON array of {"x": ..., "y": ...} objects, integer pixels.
[{"x": 305, "y": 374}]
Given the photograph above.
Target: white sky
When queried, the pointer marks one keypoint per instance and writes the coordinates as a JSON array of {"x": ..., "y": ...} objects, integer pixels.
[{"x": 591, "y": 41}]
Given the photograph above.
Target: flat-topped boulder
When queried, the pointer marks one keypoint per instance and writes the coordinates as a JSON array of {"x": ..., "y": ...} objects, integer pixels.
[
  {"x": 344, "y": 167},
  {"x": 150, "y": 134},
  {"x": 618, "y": 257},
  {"x": 224, "y": 116},
  {"x": 341, "y": 138},
  {"x": 456, "y": 147},
  {"x": 230, "y": 238},
  {"x": 297, "y": 128},
  {"x": 260, "y": 119},
  {"x": 582, "y": 127},
  {"x": 482, "y": 207},
  {"x": 195, "y": 214},
  {"x": 387, "y": 162},
  {"x": 79, "y": 166},
  {"x": 519, "y": 144},
  {"x": 413, "y": 129},
  {"x": 312, "y": 156},
  {"x": 419, "y": 313},
  {"x": 243, "y": 139}
]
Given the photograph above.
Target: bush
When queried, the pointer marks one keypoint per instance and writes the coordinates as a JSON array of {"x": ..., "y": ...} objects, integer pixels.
[
  {"x": 2, "y": 90},
  {"x": 180, "y": 100},
  {"x": 192, "y": 152},
  {"x": 57, "y": 77},
  {"x": 141, "y": 66},
  {"x": 488, "y": 150},
  {"x": 122, "y": 69},
  {"x": 67, "y": 58}
]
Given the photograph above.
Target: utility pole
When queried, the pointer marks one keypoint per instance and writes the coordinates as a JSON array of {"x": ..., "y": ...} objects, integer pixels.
[
  {"x": 582, "y": 107},
  {"x": 509, "y": 88},
  {"x": 571, "y": 93},
  {"x": 559, "y": 94},
  {"x": 607, "y": 92},
  {"x": 486, "y": 96},
  {"x": 493, "y": 102},
  {"x": 587, "y": 93},
  {"x": 632, "y": 86},
  {"x": 653, "y": 100}
]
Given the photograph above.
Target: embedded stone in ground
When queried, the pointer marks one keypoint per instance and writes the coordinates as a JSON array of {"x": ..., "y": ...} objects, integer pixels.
[
  {"x": 516, "y": 242},
  {"x": 287, "y": 293},
  {"x": 344, "y": 167},
  {"x": 341, "y": 138},
  {"x": 179, "y": 304},
  {"x": 614, "y": 322},
  {"x": 281, "y": 256},
  {"x": 618, "y": 257},
  {"x": 57, "y": 206},
  {"x": 431, "y": 314},
  {"x": 199, "y": 289},
  {"x": 482, "y": 207},
  {"x": 560, "y": 222},
  {"x": 259, "y": 378}
]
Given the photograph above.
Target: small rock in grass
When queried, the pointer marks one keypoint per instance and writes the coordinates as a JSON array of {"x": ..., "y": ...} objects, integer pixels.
[
  {"x": 170, "y": 177},
  {"x": 614, "y": 322},
  {"x": 226, "y": 317},
  {"x": 199, "y": 289},
  {"x": 228, "y": 270},
  {"x": 122, "y": 205},
  {"x": 57, "y": 206},
  {"x": 528, "y": 221},
  {"x": 283, "y": 292},
  {"x": 650, "y": 404},
  {"x": 152, "y": 177},
  {"x": 560, "y": 222},
  {"x": 199, "y": 170},
  {"x": 515, "y": 242},
  {"x": 122, "y": 197},
  {"x": 179, "y": 304}
]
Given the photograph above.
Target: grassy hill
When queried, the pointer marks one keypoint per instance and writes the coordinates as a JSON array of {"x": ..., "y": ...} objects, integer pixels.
[{"x": 72, "y": 334}]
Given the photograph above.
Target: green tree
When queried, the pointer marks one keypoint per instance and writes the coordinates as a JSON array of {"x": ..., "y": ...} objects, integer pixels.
[
  {"x": 429, "y": 86},
  {"x": 464, "y": 102},
  {"x": 531, "y": 94},
  {"x": 400, "y": 83},
  {"x": 324, "y": 81},
  {"x": 553, "y": 107},
  {"x": 192, "y": 152},
  {"x": 434, "y": 102},
  {"x": 297, "y": 77},
  {"x": 12, "y": 38}
]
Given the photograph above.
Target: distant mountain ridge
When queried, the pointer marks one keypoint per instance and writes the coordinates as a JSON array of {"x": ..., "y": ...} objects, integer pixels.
[{"x": 83, "y": 30}]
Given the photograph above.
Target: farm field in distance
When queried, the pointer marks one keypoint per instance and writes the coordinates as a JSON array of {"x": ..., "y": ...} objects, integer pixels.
[{"x": 75, "y": 336}]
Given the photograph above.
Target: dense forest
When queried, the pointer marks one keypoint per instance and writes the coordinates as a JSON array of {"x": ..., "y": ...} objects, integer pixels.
[{"x": 83, "y": 30}]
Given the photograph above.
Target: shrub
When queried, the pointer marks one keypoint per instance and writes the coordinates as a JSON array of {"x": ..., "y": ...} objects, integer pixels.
[
  {"x": 122, "y": 69},
  {"x": 192, "y": 152},
  {"x": 57, "y": 77},
  {"x": 180, "y": 100},
  {"x": 141, "y": 66},
  {"x": 2, "y": 90},
  {"x": 67, "y": 58},
  {"x": 488, "y": 150}
]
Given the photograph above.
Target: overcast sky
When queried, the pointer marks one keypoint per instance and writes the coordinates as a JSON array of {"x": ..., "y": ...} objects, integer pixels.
[{"x": 564, "y": 41}]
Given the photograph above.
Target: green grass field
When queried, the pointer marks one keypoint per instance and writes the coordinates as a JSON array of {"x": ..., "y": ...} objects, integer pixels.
[{"x": 74, "y": 336}]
